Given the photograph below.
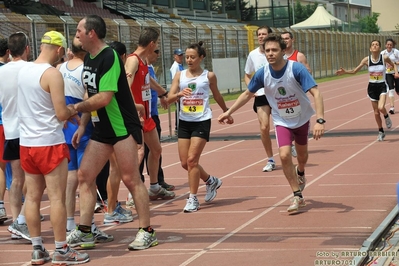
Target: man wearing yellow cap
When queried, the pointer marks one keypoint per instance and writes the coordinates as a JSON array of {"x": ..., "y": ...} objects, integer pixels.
[{"x": 44, "y": 154}]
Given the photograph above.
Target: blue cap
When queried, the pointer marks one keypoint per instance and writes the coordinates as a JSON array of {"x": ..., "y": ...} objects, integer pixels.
[{"x": 178, "y": 51}]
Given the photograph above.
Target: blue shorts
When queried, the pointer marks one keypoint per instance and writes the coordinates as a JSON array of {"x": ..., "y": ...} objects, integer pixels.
[{"x": 76, "y": 155}]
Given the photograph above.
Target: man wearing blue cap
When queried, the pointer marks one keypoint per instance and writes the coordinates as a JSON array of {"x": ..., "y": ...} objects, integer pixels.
[{"x": 176, "y": 67}]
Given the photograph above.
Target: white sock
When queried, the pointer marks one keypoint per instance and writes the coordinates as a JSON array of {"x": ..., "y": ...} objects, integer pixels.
[
  {"x": 271, "y": 159},
  {"x": 71, "y": 223},
  {"x": 37, "y": 241},
  {"x": 155, "y": 188},
  {"x": 193, "y": 196},
  {"x": 93, "y": 225},
  {"x": 21, "y": 219}
]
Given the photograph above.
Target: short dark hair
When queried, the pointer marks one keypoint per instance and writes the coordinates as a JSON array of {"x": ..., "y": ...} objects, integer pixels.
[
  {"x": 269, "y": 30},
  {"x": 3, "y": 46},
  {"x": 96, "y": 23},
  {"x": 198, "y": 47},
  {"x": 275, "y": 38},
  {"x": 379, "y": 43},
  {"x": 391, "y": 40},
  {"x": 148, "y": 35},
  {"x": 289, "y": 33},
  {"x": 17, "y": 43},
  {"x": 119, "y": 47}
]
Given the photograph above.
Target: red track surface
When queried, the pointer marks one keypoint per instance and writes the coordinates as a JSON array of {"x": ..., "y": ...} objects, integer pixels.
[{"x": 351, "y": 189}]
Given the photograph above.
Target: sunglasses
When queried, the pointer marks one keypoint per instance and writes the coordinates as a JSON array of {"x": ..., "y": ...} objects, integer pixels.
[{"x": 157, "y": 51}]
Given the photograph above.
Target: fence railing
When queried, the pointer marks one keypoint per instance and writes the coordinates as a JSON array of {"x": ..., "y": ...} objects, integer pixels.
[{"x": 326, "y": 50}]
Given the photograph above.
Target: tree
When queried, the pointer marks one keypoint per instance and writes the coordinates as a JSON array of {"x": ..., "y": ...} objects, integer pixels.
[
  {"x": 303, "y": 12},
  {"x": 247, "y": 10},
  {"x": 368, "y": 24}
]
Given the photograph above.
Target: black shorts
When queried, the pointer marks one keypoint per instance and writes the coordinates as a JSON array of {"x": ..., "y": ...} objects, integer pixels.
[
  {"x": 260, "y": 101},
  {"x": 137, "y": 136},
  {"x": 374, "y": 90},
  {"x": 201, "y": 129},
  {"x": 11, "y": 150},
  {"x": 392, "y": 82}
]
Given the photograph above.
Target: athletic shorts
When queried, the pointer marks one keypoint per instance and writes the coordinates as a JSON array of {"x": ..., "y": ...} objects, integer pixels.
[
  {"x": 76, "y": 155},
  {"x": 43, "y": 160},
  {"x": 392, "y": 82},
  {"x": 148, "y": 125},
  {"x": 375, "y": 90},
  {"x": 137, "y": 136},
  {"x": 200, "y": 129},
  {"x": 284, "y": 135},
  {"x": 2, "y": 140},
  {"x": 11, "y": 150},
  {"x": 260, "y": 101}
]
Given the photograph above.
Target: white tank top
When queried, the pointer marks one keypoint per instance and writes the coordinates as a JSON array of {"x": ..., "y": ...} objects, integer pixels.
[
  {"x": 290, "y": 105},
  {"x": 39, "y": 125},
  {"x": 73, "y": 83},
  {"x": 195, "y": 108},
  {"x": 377, "y": 70}
]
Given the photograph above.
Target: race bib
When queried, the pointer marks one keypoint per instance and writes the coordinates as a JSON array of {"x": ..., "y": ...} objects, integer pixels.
[
  {"x": 94, "y": 117},
  {"x": 193, "y": 106},
  {"x": 146, "y": 95},
  {"x": 289, "y": 109},
  {"x": 376, "y": 76}
]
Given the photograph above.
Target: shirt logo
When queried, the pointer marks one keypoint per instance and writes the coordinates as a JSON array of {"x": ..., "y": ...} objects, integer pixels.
[{"x": 282, "y": 91}]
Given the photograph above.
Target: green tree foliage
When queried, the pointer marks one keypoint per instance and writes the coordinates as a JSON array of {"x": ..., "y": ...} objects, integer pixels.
[
  {"x": 368, "y": 24},
  {"x": 303, "y": 12},
  {"x": 247, "y": 10}
]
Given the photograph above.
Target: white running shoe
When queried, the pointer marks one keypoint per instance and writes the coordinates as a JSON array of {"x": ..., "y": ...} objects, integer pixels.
[
  {"x": 381, "y": 136},
  {"x": 388, "y": 122},
  {"x": 293, "y": 151},
  {"x": 270, "y": 166}
]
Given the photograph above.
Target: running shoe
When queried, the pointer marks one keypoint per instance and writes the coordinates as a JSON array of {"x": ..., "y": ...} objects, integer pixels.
[
  {"x": 39, "y": 256},
  {"x": 392, "y": 110},
  {"x": 161, "y": 194},
  {"x": 388, "y": 122},
  {"x": 19, "y": 229},
  {"x": 167, "y": 186},
  {"x": 143, "y": 240},
  {"x": 101, "y": 236},
  {"x": 270, "y": 166},
  {"x": 296, "y": 203},
  {"x": 301, "y": 179},
  {"x": 117, "y": 217},
  {"x": 130, "y": 203},
  {"x": 381, "y": 136},
  {"x": 293, "y": 151},
  {"x": 211, "y": 188},
  {"x": 3, "y": 215},
  {"x": 192, "y": 205},
  {"x": 79, "y": 239},
  {"x": 70, "y": 257},
  {"x": 123, "y": 211}
]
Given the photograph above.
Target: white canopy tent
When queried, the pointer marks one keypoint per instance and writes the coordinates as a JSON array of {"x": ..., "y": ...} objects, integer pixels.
[{"x": 320, "y": 19}]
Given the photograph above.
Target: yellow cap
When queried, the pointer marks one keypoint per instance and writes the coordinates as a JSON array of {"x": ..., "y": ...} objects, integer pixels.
[{"x": 55, "y": 38}]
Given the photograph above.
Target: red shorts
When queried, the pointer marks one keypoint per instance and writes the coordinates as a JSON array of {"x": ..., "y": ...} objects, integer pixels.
[
  {"x": 149, "y": 125},
  {"x": 43, "y": 160},
  {"x": 2, "y": 141}
]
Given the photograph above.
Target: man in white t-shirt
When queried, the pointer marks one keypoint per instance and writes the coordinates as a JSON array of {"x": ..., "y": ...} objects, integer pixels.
[
  {"x": 256, "y": 60},
  {"x": 176, "y": 67},
  {"x": 18, "y": 44}
]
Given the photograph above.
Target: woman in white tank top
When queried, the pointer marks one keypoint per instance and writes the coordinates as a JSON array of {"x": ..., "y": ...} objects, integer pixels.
[{"x": 192, "y": 87}]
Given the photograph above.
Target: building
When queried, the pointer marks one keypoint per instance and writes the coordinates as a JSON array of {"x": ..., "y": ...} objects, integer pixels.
[{"x": 388, "y": 20}]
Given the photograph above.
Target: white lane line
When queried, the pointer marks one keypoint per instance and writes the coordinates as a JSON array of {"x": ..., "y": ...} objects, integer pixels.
[
  {"x": 238, "y": 229},
  {"x": 313, "y": 227}
]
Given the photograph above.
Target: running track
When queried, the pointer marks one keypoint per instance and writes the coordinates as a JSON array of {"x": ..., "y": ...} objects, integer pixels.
[{"x": 351, "y": 189}]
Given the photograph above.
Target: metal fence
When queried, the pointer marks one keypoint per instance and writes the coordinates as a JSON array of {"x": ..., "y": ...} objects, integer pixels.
[{"x": 326, "y": 50}]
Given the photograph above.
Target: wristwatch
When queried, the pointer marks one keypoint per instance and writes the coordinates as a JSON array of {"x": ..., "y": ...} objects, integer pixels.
[{"x": 320, "y": 121}]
